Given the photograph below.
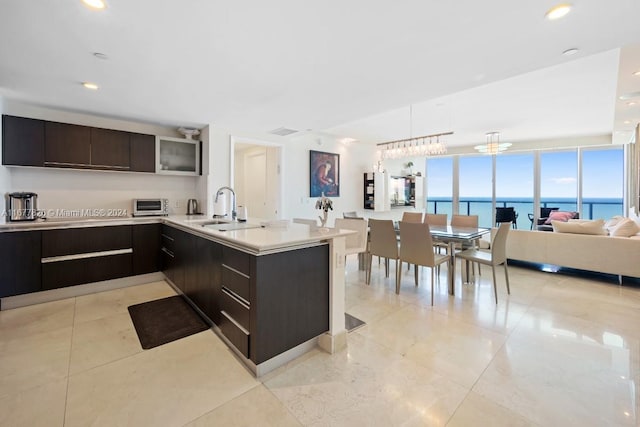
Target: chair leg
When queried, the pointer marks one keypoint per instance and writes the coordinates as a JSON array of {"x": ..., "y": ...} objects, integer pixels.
[
  {"x": 416, "y": 273},
  {"x": 495, "y": 288},
  {"x": 367, "y": 273},
  {"x": 506, "y": 276},
  {"x": 432, "y": 280},
  {"x": 398, "y": 270},
  {"x": 386, "y": 268}
]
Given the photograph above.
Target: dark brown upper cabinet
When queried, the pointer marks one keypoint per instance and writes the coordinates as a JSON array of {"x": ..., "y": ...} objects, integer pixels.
[
  {"x": 143, "y": 152},
  {"x": 31, "y": 142},
  {"x": 109, "y": 149},
  {"x": 22, "y": 141},
  {"x": 67, "y": 145}
]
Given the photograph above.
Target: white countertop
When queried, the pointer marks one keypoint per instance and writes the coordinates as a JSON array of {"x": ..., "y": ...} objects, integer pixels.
[
  {"x": 265, "y": 239},
  {"x": 257, "y": 240}
]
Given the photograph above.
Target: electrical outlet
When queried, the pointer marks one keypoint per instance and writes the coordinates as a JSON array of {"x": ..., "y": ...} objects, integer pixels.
[{"x": 176, "y": 204}]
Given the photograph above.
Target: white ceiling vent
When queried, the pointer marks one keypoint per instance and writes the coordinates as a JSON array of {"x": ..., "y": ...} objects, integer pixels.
[{"x": 283, "y": 131}]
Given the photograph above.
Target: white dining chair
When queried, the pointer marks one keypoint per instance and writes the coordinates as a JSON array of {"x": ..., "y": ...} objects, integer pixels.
[
  {"x": 470, "y": 221},
  {"x": 497, "y": 256},
  {"x": 383, "y": 242},
  {"x": 416, "y": 247},
  {"x": 412, "y": 216},
  {"x": 355, "y": 243},
  {"x": 435, "y": 219},
  {"x": 312, "y": 223}
]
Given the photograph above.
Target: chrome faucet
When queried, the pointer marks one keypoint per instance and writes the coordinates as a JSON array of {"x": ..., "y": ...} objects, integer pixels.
[{"x": 233, "y": 200}]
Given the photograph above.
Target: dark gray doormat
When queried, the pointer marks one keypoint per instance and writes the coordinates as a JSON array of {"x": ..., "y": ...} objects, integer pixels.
[
  {"x": 164, "y": 320},
  {"x": 352, "y": 323}
]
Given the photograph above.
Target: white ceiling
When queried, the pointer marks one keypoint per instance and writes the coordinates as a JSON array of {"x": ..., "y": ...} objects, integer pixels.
[{"x": 335, "y": 67}]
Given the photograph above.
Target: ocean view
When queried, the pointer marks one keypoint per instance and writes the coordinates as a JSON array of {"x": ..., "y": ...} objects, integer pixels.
[{"x": 592, "y": 208}]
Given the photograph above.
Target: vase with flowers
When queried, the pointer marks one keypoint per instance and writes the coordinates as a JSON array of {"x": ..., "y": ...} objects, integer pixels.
[{"x": 326, "y": 205}]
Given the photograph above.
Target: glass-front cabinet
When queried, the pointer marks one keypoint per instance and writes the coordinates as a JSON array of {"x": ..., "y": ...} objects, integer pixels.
[
  {"x": 177, "y": 156},
  {"x": 406, "y": 191}
]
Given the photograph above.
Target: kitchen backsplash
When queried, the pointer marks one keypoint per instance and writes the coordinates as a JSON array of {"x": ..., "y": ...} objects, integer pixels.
[{"x": 60, "y": 191}]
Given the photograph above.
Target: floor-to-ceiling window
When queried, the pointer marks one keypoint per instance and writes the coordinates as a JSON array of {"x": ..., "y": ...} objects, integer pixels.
[
  {"x": 592, "y": 175},
  {"x": 440, "y": 185},
  {"x": 602, "y": 182},
  {"x": 475, "y": 186},
  {"x": 559, "y": 180},
  {"x": 514, "y": 185}
]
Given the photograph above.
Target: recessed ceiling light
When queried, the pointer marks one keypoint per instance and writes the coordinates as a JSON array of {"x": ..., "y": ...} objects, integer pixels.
[
  {"x": 95, "y": 4},
  {"x": 631, "y": 103},
  {"x": 100, "y": 55},
  {"x": 637, "y": 73},
  {"x": 558, "y": 11},
  {"x": 348, "y": 140},
  {"x": 90, "y": 85},
  {"x": 570, "y": 52},
  {"x": 626, "y": 122}
]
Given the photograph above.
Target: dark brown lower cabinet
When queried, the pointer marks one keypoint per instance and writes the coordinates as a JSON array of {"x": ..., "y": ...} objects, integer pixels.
[
  {"x": 61, "y": 274},
  {"x": 146, "y": 239},
  {"x": 83, "y": 255},
  {"x": 20, "y": 271},
  {"x": 264, "y": 305},
  {"x": 289, "y": 300}
]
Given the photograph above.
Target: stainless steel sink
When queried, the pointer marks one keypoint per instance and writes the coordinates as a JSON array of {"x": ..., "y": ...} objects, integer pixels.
[
  {"x": 229, "y": 226},
  {"x": 214, "y": 222}
]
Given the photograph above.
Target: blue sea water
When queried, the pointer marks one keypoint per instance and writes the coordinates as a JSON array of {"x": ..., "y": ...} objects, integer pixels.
[{"x": 592, "y": 208}]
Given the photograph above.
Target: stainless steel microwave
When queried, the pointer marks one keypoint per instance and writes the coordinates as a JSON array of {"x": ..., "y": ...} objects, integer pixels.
[{"x": 149, "y": 207}]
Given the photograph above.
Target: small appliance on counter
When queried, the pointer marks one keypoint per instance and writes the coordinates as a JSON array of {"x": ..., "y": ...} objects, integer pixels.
[
  {"x": 192, "y": 207},
  {"x": 242, "y": 213},
  {"x": 150, "y": 207},
  {"x": 22, "y": 207}
]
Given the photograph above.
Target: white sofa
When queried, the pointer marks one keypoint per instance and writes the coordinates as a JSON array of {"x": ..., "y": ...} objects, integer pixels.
[{"x": 605, "y": 254}]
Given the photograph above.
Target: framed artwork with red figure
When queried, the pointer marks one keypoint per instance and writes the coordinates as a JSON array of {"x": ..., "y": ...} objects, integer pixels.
[{"x": 324, "y": 171}]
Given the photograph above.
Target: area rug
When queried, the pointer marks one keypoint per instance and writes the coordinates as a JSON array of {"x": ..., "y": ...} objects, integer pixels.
[
  {"x": 164, "y": 320},
  {"x": 352, "y": 323}
]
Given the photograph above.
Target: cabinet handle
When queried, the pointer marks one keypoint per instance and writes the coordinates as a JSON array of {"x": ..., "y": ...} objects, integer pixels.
[
  {"x": 237, "y": 298},
  {"x": 232, "y": 320},
  {"x": 85, "y": 255},
  {"x": 168, "y": 252},
  {"x": 235, "y": 271},
  {"x": 67, "y": 164},
  {"x": 167, "y": 237}
]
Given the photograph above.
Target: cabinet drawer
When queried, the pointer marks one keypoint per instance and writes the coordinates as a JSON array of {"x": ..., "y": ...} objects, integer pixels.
[
  {"x": 236, "y": 282},
  {"x": 237, "y": 260},
  {"x": 234, "y": 333},
  {"x": 168, "y": 238},
  {"x": 83, "y": 240},
  {"x": 75, "y": 272},
  {"x": 235, "y": 308}
]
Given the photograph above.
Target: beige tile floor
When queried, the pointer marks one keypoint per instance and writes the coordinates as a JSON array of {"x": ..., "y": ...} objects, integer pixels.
[{"x": 559, "y": 351}]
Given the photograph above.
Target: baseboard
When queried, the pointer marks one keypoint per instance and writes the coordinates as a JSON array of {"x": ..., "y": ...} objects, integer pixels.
[{"x": 78, "y": 290}]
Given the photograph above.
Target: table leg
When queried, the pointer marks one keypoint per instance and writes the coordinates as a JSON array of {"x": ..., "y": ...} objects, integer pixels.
[{"x": 452, "y": 268}]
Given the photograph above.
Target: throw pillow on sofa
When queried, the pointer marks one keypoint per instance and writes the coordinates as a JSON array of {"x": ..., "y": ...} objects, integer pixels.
[
  {"x": 560, "y": 216},
  {"x": 595, "y": 227},
  {"x": 624, "y": 228}
]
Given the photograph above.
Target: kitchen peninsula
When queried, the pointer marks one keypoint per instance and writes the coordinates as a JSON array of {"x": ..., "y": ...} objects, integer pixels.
[{"x": 272, "y": 293}]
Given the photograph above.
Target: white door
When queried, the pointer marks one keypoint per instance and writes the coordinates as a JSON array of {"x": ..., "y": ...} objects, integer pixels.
[
  {"x": 257, "y": 179},
  {"x": 255, "y": 184}
]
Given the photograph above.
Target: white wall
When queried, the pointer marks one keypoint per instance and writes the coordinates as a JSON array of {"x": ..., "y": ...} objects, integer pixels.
[
  {"x": 88, "y": 189},
  {"x": 355, "y": 160}
]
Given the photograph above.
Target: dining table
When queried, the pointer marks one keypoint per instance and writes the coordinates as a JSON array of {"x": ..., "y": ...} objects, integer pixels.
[
  {"x": 447, "y": 234},
  {"x": 451, "y": 235}
]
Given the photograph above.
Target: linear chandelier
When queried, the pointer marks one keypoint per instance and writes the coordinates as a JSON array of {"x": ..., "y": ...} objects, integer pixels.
[
  {"x": 427, "y": 145},
  {"x": 493, "y": 145}
]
